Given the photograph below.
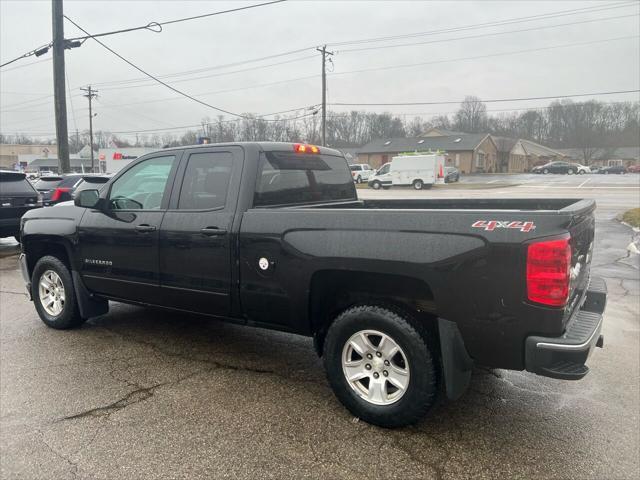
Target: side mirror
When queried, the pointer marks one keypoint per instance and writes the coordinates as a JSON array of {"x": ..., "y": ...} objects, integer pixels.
[{"x": 87, "y": 199}]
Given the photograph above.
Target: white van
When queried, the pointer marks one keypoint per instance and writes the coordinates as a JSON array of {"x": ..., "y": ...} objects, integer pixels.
[{"x": 419, "y": 171}]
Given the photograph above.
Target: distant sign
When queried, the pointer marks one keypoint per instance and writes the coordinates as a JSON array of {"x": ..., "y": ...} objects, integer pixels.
[
  {"x": 121, "y": 156},
  {"x": 204, "y": 140}
]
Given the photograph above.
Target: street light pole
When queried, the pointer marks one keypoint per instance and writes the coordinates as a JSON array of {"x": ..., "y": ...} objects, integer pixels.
[{"x": 90, "y": 95}]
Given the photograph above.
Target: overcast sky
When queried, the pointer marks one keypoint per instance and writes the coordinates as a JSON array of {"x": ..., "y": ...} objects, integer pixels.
[{"x": 599, "y": 54}]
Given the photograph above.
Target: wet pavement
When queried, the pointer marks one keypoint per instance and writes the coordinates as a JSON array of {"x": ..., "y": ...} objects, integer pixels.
[{"x": 149, "y": 394}]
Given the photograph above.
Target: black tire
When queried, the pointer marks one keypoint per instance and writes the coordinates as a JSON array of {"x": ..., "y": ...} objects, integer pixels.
[
  {"x": 70, "y": 315},
  {"x": 418, "y": 184},
  {"x": 359, "y": 179},
  {"x": 376, "y": 185},
  {"x": 570, "y": 171},
  {"x": 581, "y": 172},
  {"x": 545, "y": 171},
  {"x": 422, "y": 390}
]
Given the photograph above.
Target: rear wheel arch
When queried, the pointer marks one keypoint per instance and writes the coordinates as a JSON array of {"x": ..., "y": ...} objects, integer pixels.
[{"x": 334, "y": 291}]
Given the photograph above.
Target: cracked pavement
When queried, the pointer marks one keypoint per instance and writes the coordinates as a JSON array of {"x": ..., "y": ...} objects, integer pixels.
[{"x": 151, "y": 394}]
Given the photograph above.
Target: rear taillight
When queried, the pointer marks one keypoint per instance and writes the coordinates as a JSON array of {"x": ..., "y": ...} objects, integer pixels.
[
  {"x": 548, "y": 272},
  {"x": 57, "y": 193}
]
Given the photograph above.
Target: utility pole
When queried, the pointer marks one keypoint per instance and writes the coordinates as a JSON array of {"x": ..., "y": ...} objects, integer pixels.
[
  {"x": 324, "y": 52},
  {"x": 60, "y": 100},
  {"x": 91, "y": 94}
]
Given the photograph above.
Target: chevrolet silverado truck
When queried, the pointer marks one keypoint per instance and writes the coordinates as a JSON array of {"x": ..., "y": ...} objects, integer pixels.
[{"x": 401, "y": 297}]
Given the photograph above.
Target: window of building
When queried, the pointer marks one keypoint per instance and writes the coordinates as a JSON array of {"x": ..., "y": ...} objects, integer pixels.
[{"x": 457, "y": 160}]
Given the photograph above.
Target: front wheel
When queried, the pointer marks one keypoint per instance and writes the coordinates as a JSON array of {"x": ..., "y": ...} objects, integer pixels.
[
  {"x": 376, "y": 185},
  {"x": 380, "y": 366},
  {"x": 570, "y": 172},
  {"x": 359, "y": 179},
  {"x": 582, "y": 172},
  {"x": 545, "y": 171},
  {"x": 53, "y": 294},
  {"x": 418, "y": 184}
]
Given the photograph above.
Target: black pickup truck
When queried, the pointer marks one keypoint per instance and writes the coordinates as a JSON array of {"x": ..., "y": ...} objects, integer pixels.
[{"x": 402, "y": 297}]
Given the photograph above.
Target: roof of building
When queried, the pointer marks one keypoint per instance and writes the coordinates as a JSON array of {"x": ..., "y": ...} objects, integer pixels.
[
  {"x": 620, "y": 153},
  {"x": 440, "y": 132},
  {"x": 532, "y": 148},
  {"x": 53, "y": 162},
  {"x": 451, "y": 143},
  {"x": 504, "y": 144}
]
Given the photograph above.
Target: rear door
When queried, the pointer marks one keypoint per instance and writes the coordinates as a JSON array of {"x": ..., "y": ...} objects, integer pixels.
[
  {"x": 195, "y": 238},
  {"x": 119, "y": 243}
]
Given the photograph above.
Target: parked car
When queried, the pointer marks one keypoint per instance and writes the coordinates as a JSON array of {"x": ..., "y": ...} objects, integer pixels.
[
  {"x": 556, "y": 167},
  {"x": 17, "y": 196},
  {"x": 633, "y": 169},
  {"x": 270, "y": 235},
  {"x": 581, "y": 169},
  {"x": 91, "y": 181},
  {"x": 451, "y": 174},
  {"x": 361, "y": 172},
  {"x": 619, "y": 169},
  {"x": 57, "y": 188},
  {"x": 595, "y": 168}
]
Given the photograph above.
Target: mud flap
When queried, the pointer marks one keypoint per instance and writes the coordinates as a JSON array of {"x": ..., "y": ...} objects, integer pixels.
[
  {"x": 456, "y": 363},
  {"x": 89, "y": 305}
]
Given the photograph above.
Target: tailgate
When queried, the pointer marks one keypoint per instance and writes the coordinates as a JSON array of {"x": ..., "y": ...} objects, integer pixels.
[{"x": 582, "y": 230}]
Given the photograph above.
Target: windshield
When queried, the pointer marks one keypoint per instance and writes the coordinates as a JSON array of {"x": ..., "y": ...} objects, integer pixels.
[{"x": 48, "y": 183}]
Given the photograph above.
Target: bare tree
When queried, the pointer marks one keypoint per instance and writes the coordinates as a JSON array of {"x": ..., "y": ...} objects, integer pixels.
[{"x": 471, "y": 117}]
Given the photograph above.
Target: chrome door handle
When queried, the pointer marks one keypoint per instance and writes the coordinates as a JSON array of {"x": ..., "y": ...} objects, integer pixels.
[
  {"x": 212, "y": 231},
  {"x": 144, "y": 228}
]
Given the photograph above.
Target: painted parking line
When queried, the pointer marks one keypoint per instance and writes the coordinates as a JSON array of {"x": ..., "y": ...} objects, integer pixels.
[
  {"x": 493, "y": 181},
  {"x": 585, "y": 182},
  {"x": 577, "y": 186}
]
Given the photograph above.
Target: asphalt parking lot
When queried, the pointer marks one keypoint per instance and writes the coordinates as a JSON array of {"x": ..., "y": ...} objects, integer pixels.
[{"x": 147, "y": 394}]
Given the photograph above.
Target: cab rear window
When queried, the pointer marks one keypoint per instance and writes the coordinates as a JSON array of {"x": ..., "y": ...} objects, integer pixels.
[
  {"x": 15, "y": 185},
  {"x": 288, "y": 178}
]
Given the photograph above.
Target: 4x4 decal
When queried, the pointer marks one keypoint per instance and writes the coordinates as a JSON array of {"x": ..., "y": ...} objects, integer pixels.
[{"x": 491, "y": 225}]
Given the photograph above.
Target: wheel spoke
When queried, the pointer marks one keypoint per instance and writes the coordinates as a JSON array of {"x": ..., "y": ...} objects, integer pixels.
[
  {"x": 377, "y": 391},
  {"x": 354, "y": 370},
  {"x": 359, "y": 344},
  {"x": 398, "y": 378}
]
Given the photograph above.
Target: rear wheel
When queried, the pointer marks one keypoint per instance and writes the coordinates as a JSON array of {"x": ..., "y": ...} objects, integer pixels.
[
  {"x": 359, "y": 179},
  {"x": 545, "y": 171},
  {"x": 582, "y": 172},
  {"x": 571, "y": 172},
  {"x": 380, "y": 366},
  {"x": 53, "y": 294},
  {"x": 418, "y": 184}
]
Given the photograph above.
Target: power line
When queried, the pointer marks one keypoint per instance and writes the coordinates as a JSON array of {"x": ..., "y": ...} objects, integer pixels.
[
  {"x": 491, "y": 55},
  {"x": 164, "y": 83},
  {"x": 482, "y": 25},
  {"x": 36, "y": 51},
  {"x": 213, "y": 75},
  {"x": 509, "y": 21},
  {"x": 25, "y": 65},
  {"x": 489, "y": 34},
  {"x": 494, "y": 100}
]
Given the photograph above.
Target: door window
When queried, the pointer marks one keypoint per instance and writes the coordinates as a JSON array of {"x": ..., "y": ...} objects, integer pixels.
[
  {"x": 384, "y": 169},
  {"x": 206, "y": 181},
  {"x": 142, "y": 187}
]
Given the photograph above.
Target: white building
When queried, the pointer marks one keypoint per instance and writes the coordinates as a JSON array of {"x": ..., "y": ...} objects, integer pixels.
[{"x": 113, "y": 159}]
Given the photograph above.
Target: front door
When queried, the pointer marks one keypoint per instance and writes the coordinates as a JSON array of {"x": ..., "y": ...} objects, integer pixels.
[
  {"x": 195, "y": 237},
  {"x": 119, "y": 243}
]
